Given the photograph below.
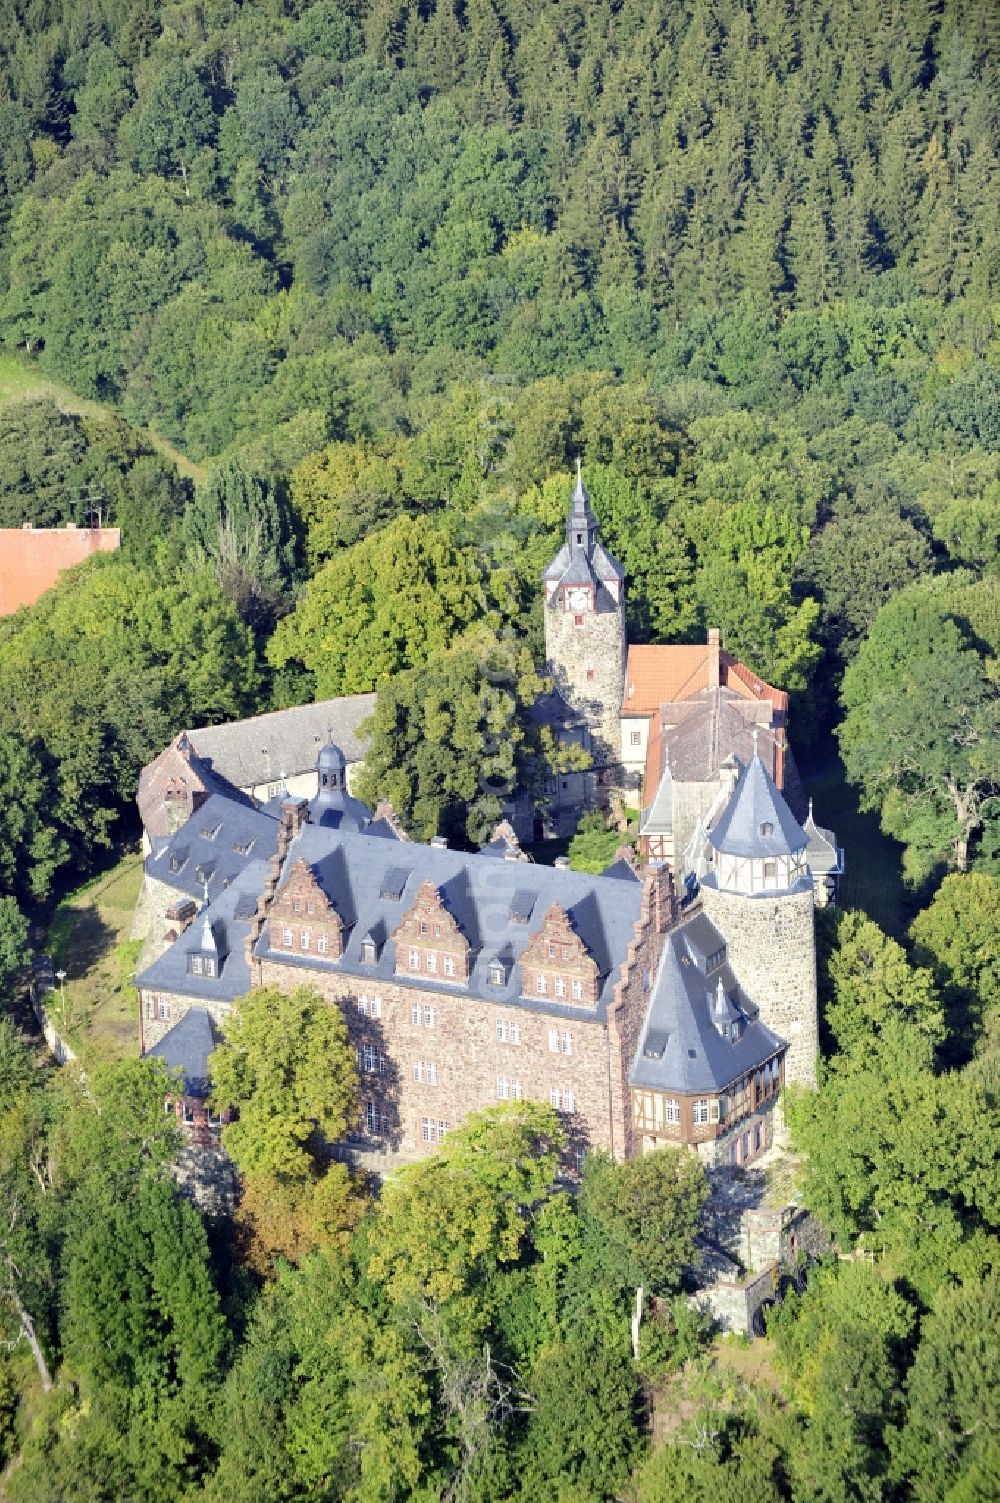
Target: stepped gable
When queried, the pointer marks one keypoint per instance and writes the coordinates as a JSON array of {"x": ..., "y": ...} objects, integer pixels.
[
  {"x": 429, "y": 941},
  {"x": 497, "y": 906},
  {"x": 556, "y": 957},
  {"x": 216, "y": 844},
  {"x": 757, "y": 823},
  {"x": 229, "y": 918},
  {"x": 175, "y": 785},
  {"x": 304, "y": 921},
  {"x": 187, "y": 1047},
  {"x": 696, "y": 995}
]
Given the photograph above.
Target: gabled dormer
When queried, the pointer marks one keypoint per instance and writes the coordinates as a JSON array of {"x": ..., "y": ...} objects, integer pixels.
[
  {"x": 303, "y": 919},
  {"x": 429, "y": 942},
  {"x": 556, "y": 964}
]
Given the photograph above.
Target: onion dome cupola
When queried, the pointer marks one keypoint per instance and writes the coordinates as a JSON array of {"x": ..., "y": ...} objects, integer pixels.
[
  {"x": 757, "y": 846},
  {"x": 333, "y": 806}
]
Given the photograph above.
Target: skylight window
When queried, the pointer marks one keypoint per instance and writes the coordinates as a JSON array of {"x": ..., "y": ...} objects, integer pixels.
[
  {"x": 394, "y": 882},
  {"x": 521, "y": 906}
]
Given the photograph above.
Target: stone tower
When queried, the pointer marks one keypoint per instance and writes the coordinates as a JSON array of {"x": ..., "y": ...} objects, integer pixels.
[
  {"x": 585, "y": 627},
  {"x": 758, "y": 892}
]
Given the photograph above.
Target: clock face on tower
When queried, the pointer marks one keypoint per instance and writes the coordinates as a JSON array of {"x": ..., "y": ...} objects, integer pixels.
[{"x": 577, "y": 600}]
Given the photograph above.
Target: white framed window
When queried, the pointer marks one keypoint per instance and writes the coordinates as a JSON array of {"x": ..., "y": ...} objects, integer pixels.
[
  {"x": 305, "y": 939},
  {"x": 297, "y": 904},
  {"x": 503, "y": 1088},
  {"x": 508, "y": 1033},
  {"x": 414, "y": 960},
  {"x": 196, "y": 965},
  {"x": 671, "y": 1110},
  {"x": 560, "y": 1043},
  {"x": 425, "y": 1072},
  {"x": 374, "y": 1117},
  {"x": 163, "y": 1009},
  {"x": 368, "y": 955},
  {"x": 560, "y": 986},
  {"x": 429, "y": 1017},
  {"x": 577, "y": 991},
  {"x": 516, "y": 1090},
  {"x": 372, "y": 1062},
  {"x": 321, "y": 944},
  {"x": 432, "y": 963},
  {"x": 416, "y": 1014},
  {"x": 449, "y": 965},
  {"x": 286, "y": 937},
  {"x": 443, "y": 1130},
  {"x": 427, "y": 1129},
  {"x": 541, "y": 986},
  {"x": 209, "y": 966},
  {"x": 770, "y": 870},
  {"x": 562, "y": 1100},
  {"x": 370, "y": 1007},
  {"x": 699, "y": 1112},
  {"x": 552, "y": 952},
  {"x": 310, "y": 906},
  {"x": 188, "y": 1114},
  {"x": 635, "y": 738}
]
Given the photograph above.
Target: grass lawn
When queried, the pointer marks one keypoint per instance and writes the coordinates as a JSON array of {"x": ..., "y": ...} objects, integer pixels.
[
  {"x": 89, "y": 940},
  {"x": 873, "y": 877},
  {"x": 21, "y": 378}
]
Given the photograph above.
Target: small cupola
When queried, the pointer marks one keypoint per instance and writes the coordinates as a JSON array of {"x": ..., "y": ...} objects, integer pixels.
[{"x": 726, "y": 1016}]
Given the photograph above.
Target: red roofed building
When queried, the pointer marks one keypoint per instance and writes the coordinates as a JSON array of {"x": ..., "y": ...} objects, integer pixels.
[
  {"x": 32, "y": 558},
  {"x": 691, "y": 716}
]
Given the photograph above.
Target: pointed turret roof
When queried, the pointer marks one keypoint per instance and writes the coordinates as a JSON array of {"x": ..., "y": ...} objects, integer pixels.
[
  {"x": 757, "y": 822},
  {"x": 582, "y": 560}
]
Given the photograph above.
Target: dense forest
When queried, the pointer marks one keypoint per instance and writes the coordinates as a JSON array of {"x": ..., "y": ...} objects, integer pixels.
[{"x": 382, "y": 271}]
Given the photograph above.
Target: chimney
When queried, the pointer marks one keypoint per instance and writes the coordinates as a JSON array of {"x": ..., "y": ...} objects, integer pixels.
[
  {"x": 662, "y": 900},
  {"x": 713, "y": 657},
  {"x": 438, "y": 843},
  {"x": 561, "y": 863}
]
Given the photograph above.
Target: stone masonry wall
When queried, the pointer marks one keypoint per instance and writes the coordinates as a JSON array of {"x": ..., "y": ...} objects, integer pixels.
[
  {"x": 597, "y": 646},
  {"x": 772, "y": 947},
  {"x": 469, "y": 1057},
  {"x": 627, "y": 1013}
]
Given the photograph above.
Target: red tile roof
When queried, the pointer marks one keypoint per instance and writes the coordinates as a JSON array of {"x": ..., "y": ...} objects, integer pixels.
[{"x": 32, "y": 558}]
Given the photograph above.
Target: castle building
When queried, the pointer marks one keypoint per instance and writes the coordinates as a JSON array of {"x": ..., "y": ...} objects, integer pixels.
[
  {"x": 469, "y": 978},
  {"x": 667, "y": 1004}
]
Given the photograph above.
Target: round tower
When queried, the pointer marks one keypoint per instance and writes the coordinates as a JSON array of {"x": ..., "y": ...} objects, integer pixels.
[
  {"x": 758, "y": 892},
  {"x": 585, "y": 644}
]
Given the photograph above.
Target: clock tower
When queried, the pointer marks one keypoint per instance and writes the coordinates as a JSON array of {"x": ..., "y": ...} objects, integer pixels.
[{"x": 585, "y": 628}]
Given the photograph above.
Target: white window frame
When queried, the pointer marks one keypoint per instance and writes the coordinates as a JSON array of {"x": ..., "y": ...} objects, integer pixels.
[{"x": 287, "y": 937}]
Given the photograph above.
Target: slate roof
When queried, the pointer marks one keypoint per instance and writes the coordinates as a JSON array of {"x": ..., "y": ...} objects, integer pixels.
[
  {"x": 335, "y": 809},
  {"x": 284, "y": 743},
  {"x": 169, "y": 971},
  {"x": 713, "y": 727},
  {"x": 588, "y": 563},
  {"x": 478, "y": 890},
  {"x": 680, "y": 1049},
  {"x": 823, "y": 855},
  {"x": 187, "y": 1047},
  {"x": 242, "y": 835},
  {"x": 756, "y": 804}
]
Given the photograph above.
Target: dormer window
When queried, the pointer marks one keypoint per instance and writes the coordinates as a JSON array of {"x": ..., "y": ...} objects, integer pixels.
[
  {"x": 209, "y": 832},
  {"x": 498, "y": 973},
  {"x": 369, "y": 951},
  {"x": 767, "y": 828}
]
